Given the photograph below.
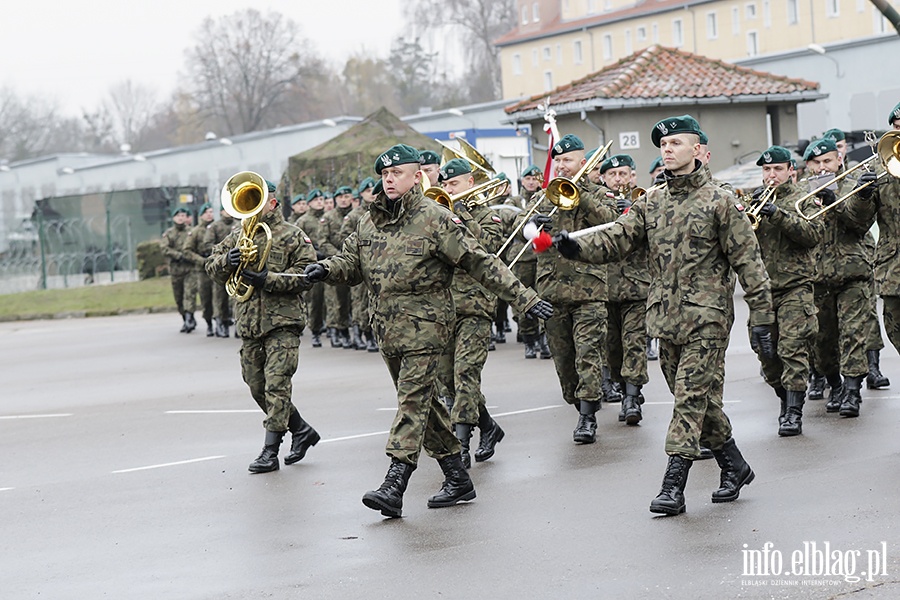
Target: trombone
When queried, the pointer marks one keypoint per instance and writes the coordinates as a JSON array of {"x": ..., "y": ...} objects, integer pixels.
[
  {"x": 887, "y": 150},
  {"x": 756, "y": 206},
  {"x": 488, "y": 188},
  {"x": 482, "y": 170}
]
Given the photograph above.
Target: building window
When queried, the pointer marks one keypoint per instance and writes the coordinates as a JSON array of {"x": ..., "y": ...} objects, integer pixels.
[
  {"x": 833, "y": 8},
  {"x": 517, "y": 64},
  {"x": 607, "y": 5},
  {"x": 576, "y": 52},
  {"x": 677, "y": 34},
  {"x": 793, "y": 12},
  {"x": 548, "y": 81},
  {"x": 751, "y": 11},
  {"x": 607, "y": 47},
  {"x": 654, "y": 29},
  {"x": 559, "y": 54},
  {"x": 712, "y": 26},
  {"x": 547, "y": 54},
  {"x": 752, "y": 44},
  {"x": 767, "y": 14},
  {"x": 881, "y": 23},
  {"x": 736, "y": 21},
  {"x": 642, "y": 34},
  {"x": 592, "y": 6},
  {"x": 629, "y": 48},
  {"x": 534, "y": 58},
  {"x": 861, "y": 5},
  {"x": 535, "y": 12},
  {"x": 524, "y": 15}
]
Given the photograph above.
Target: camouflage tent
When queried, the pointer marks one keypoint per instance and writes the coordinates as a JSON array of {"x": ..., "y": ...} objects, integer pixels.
[{"x": 350, "y": 157}]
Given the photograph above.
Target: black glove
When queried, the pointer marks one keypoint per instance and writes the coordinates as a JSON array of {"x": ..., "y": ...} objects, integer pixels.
[
  {"x": 541, "y": 310},
  {"x": 761, "y": 340},
  {"x": 256, "y": 279},
  {"x": 540, "y": 220},
  {"x": 321, "y": 255},
  {"x": 622, "y": 204},
  {"x": 866, "y": 181},
  {"x": 566, "y": 245},
  {"x": 234, "y": 257},
  {"x": 315, "y": 272},
  {"x": 827, "y": 197},
  {"x": 768, "y": 209}
]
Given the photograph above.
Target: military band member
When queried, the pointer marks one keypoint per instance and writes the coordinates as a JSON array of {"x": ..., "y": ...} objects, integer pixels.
[
  {"x": 405, "y": 249},
  {"x": 269, "y": 324},
  {"x": 359, "y": 295},
  {"x": 197, "y": 250},
  {"x": 788, "y": 245},
  {"x": 173, "y": 245},
  {"x": 656, "y": 169},
  {"x": 696, "y": 234},
  {"x": 316, "y": 227},
  {"x": 222, "y": 313},
  {"x": 431, "y": 166},
  {"x": 339, "y": 303}
]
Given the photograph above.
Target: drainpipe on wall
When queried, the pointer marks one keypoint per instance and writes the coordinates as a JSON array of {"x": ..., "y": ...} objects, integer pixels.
[{"x": 602, "y": 133}]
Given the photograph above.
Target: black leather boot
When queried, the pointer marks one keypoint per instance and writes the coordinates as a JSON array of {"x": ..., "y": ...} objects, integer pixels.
[
  {"x": 544, "y": 347},
  {"x": 530, "y": 346},
  {"x": 852, "y": 399},
  {"x": 209, "y": 328},
  {"x": 736, "y": 473},
  {"x": 356, "y": 338},
  {"x": 836, "y": 395},
  {"x": 491, "y": 434},
  {"x": 875, "y": 380},
  {"x": 389, "y": 497},
  {"x": 792, "y": 424},
  {"x": 816, "y": 385},
  {"x": 606, "y": 385},
  {"x": 670, "y": 500},
  {"x": 344, "y": 337},
  {"x": 457, "y": 486},
  {"x": 190, "y": 321},
  {"x": 782, "y": 395},
  {"x": 333, "y": 337},
  {"x": 652, "y": 349},
  {"x": 371, "y": 344},
  {"x": 705, "y": 454},
  {"x": 267, "y": 460},
  {"x": 221, "y": 328},
  {"x": 631, "y": 405},
  {"x": 500, "y": 336},
  {"x": 464, "y": 435},
  {"x": 184, "y": 323},
  {"x": 586, "y": 430},
  {"x": 303, "y": 437}
]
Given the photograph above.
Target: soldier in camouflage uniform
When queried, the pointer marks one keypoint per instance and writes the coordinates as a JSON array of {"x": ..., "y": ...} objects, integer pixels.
[
  {"x": 173, "y": 243},
  {"x": 269, "y": 324},
  {"x": 215, "y": 234},
  {"x": 405, "y": 249},
  {"x": 197, "y": 250},
  {"x": 696, "y": 234},
  {"x": 577, "y": 330},
  {"x": 788, "y": 244},
  {"x": 316, "y": 227},
  {"x": 468, "y": 349},
  {"x": 431, "y": 166},
  {"x": 843, "y": 290},
  {"x": 359, "y": 295},
  {"x": 299, "y": 207},
  {"x": 628, "y": 283},
  {"x": 339, "y": 305}
]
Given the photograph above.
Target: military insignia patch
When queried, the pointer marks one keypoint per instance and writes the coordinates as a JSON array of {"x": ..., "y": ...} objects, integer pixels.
[
  {"x": 307, "y": 240},
  {"x": 610, "y": 195},
  {"x": 767, "y": 157},
  {"x": 662, "y": 128},
  {"x": 496, "y": 219},
  {"x": 739, "y": 206},
  {"x": 385, "y": 160},
  {"x": 456, "y": 220},
  {"x": 614, "y": 161},
  {"x": 817, "y": 201},
  {"x": 816, "y": 150}
]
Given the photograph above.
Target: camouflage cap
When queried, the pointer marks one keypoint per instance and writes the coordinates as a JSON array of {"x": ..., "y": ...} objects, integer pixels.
[
  {"x": 204, "y": 207},
  {"x": 344, "y": 189},
  {"x": 313, "y": 194},
  {"x": 675, "y": 125},
  {"x": 895, "y": 114},
  {"x": 568, "y": 143},
  {"x": 657, "y": 163},
  {"x": 775, "y": 154},
  {"x": 297, "y": 199},
  {"x": 365, "y": 184},
  {"x": 818, "y": 148},
  {"x": 616, "y": 161},
  {"x": 531, "y": 170},
  {"x": 430, "y": 157},
  {"x": 272, "y": 187},
  {"x": 401, "y": 154},
  {"x": 835, "y": 135},
  {"x": 455, "y": 167},
  {"x": 181, "y": 209}
]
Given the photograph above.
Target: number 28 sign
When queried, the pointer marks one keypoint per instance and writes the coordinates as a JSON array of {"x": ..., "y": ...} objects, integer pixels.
[{"x": 629, "y": 140}]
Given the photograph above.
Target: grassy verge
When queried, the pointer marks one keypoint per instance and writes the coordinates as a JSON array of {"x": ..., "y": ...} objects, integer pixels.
[{"x": 150, "y": 295}]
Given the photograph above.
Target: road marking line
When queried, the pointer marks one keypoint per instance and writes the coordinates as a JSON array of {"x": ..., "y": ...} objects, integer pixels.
[
  {"x": 171, "y": 464},
  {"x": 6, "y": 489},
  {"x": 9, "y": 417},
  {"x": 527, "y": 410},
  {"x": 354, "y": 437},
  {"x": 673, "y": 402},
  {"x": 212, "y": 412}
]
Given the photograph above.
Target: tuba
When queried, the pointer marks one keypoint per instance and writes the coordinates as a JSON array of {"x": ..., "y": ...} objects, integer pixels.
[{"x": 244, "y": 196}]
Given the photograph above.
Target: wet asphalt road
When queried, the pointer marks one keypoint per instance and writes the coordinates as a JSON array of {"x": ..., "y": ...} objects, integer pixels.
[{"x": 124, "y": 448}]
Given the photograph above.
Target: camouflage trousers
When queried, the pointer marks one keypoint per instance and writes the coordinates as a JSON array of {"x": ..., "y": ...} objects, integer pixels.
[
  {"x": 526, "y": 272},
  {"x": 267, "y": 365},
  {"x": 695, "y": 373},
  {"x": 421, "y": 420},
  {"x": 576, "y": 334},
  {"x": 793, "y": 332},
  {"x": 844, "y": 311},
  {"x": 338, "y": 299},
  {"x": 205, "y": 287},
  {"x": 221, "y": 303},
  {"x": 316, "y": 308},
  {"x": 874, "y": 341},
  {"x": 891, "y": 312},
  {"x": 359, "y": 303},
  {"x": 626, "y": 341},
  {"x": 184, "y": 288},
  {"x": 462, "y": 365}
]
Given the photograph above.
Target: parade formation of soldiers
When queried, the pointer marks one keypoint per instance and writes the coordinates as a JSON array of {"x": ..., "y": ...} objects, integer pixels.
[{"x": 418, "y": 276}]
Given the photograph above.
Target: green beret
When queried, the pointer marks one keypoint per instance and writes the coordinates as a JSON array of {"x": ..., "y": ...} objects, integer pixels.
[
  {"x": 531, "y": 170},
  {"x": 430, "y": 157},
  {"x": 618, "y": 160},
  {"x": 590, "y": 153},
  {"x": 819, "y": 147},
  {"x": 271, "y": 186},
  {"x": 457, "y": 166},
  {"x": 675, "y": 125},
  {"x": 204, "y": 207},
  {"x": 568, "y": 143},
  {"x": 297, "y": 199},
  {"x": 895, "y": 114},
  {"x": 313, "y": 194},
  {"x": 365, "y": 184},
  {"x": 328, "y": 194},
  {"x": 703, "y": 139},
  {"x": 835, "y": 135},
  {"x": 378, "y": 187},
  {"x": 179, "y": 209},
  {"x": 344, "y": 189},
  {"x": 501, "y": 176},
  {"x": 401, "y": 154},
  {"x": 657, "y": 163},
  {"x": 775, "y": 154}
]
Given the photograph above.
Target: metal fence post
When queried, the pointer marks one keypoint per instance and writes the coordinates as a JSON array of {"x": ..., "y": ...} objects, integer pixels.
[{"x": 40, "y": 219}]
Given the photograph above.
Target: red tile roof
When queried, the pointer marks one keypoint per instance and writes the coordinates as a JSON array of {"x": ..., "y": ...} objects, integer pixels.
[{"x": 659, "y": 74}]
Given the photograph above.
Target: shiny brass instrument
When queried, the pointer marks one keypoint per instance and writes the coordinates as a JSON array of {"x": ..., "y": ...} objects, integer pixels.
[
  {"x": 887, "y": 151},
  {"x": 482, "y": 170},
  {"x": 244, "y": 196},
  {"x": 755, "y": 206},
  {"x": 468, "y": 197}
]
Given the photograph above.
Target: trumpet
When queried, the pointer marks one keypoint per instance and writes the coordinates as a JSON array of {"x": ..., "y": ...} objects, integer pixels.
[
  {"x": 756, "y": 206},
  {"x": 489, "y": 190},
  {"x": 243, "y": 197}
]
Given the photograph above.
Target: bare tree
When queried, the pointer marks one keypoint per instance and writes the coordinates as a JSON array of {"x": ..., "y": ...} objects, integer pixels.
[
  {"x": 243, "y": 66},
  {"x": 132, "y": 110},
  {"x": 28, "y": 126}
]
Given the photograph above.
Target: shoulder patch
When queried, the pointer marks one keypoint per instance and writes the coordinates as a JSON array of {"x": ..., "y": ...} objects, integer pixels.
[
  {"x": 610, "y": 195},
  {"x": 817, "y": 201},
  {"x": 496, "y": 219},
  {"x": 739, "y": 206},
  {"x": 456, "y": 220},
  {"x": 307, "y": 240}
]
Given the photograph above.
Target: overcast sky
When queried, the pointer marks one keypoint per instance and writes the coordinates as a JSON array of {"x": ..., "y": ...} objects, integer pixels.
[{"x": 74, "y": 50}]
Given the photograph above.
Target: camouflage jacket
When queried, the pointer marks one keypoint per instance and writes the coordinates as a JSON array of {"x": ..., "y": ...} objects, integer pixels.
[
  {"x": 628, "y": 279},
  {"x": 336, "y": 218},
  {"x": 787, "y": 241},
  {"x": 220, "y": 229},
  {"x": 511, "y": 219},
  {"x": 469, "y": 297},
  {"x": 560, "y": 280},
  {"x": 887, "y": 261},
  {"x": 844, "y": 253},
  {"x": 173, "y": 243},
  {"x": 198, "y": 247},
  {"x": 695, "y": 234},
  {"x": 278, "y": 303},
  {"x": 405, "y": 252},
  {"x": 316, "y": 226},
  {"x": 351, "y": 221}
]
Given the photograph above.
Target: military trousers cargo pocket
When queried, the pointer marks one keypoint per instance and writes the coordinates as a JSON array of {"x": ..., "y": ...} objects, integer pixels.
[{"x": 410, "y": 330}]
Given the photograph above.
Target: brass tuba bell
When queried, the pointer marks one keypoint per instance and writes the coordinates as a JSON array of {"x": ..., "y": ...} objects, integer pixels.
[{"x": 244, "y": 196}]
